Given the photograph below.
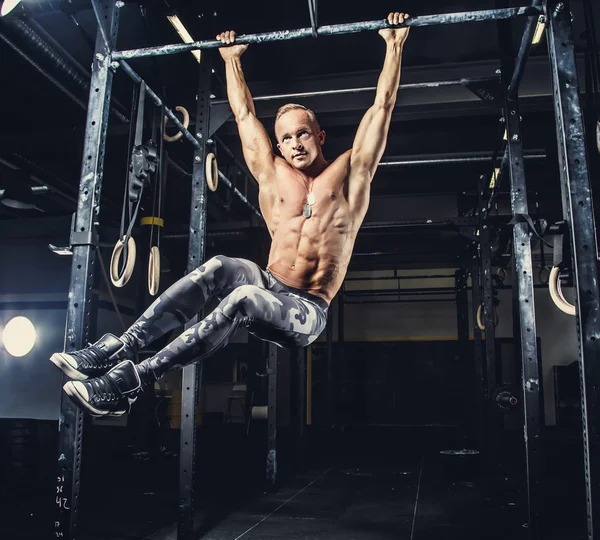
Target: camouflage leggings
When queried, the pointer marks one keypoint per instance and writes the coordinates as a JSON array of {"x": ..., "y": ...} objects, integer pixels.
[{"x": 250, "y": 297}]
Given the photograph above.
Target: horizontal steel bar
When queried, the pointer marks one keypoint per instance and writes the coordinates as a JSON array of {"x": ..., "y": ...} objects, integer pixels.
[
  {"x": 210, "y": 234},
  {"x": 137, "y": 79},
  {"x": 401, "y": 301},
  {"x": 433, "y": 291},
  {"x": 178, "y": 167},
  {"x": 443, "y": 161},
  {"x": 335, "y": 92},
  {"x": 371, "y": 278},
  {"x": 36, "y": 190},
  {"x": 240, "y": 196},
  {"x": 335, "y": 29},
  {"x": 187, "y": 134},
  {"x": 403, "y": 224},
  {"x": 525, "y": 47},
  {"x": 241, "y": 166}
]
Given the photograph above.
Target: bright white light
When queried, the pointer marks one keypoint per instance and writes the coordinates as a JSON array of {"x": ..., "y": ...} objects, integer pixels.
[
  {"x": 8, "y": 6},
  {"x": 19, "y": 336},
  {"x": 183, "y": 33}
]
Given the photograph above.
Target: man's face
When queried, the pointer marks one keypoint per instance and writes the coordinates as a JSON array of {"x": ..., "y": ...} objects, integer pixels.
[{"x": 298, "y": 138}]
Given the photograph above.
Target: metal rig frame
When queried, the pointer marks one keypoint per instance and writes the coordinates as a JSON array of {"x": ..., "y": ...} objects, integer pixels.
[{"x": 577, "y": 210}]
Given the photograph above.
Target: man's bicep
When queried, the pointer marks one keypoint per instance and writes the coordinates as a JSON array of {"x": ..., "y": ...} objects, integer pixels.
[
  {"x": 370, "y": 140},
  {"x": 359, "y": 191},
  {"x": 256, "y": 146}
]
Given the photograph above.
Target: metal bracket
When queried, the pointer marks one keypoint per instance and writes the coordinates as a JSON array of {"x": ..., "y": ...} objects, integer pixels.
[
  {"x": 470, "y": 233},
  {"x": 488, "y": 90},
  {"x": 66, "y": 250},
  {"x": 84, "y": 238}
]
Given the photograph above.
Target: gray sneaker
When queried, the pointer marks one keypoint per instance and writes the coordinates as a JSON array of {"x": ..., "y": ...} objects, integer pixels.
[
  {"x": 92, "y": 361},
  {"x": 108, "y": 395}
]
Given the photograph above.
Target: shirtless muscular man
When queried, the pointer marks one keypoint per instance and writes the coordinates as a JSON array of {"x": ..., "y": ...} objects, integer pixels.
[{"x": 313, "y": 210}]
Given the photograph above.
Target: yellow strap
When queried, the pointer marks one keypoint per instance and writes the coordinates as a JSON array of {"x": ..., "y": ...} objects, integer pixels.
[
  {"x": 152, "y": 221},
  {"x": 495, "y": 175}
]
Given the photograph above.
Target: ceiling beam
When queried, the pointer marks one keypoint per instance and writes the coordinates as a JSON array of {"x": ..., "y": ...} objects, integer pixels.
[{"x": 439, "y": 102}]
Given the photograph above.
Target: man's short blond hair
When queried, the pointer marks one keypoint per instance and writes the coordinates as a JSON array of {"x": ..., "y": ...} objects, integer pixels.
[{"x": 293, "y": 106}]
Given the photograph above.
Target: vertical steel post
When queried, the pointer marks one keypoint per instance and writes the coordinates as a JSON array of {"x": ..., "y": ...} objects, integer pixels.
[
  {"x": 488, "y": 309},
  {"x": 330, "y": 411},
  {"x": 340, "y": 346},
  {"x": 462, "y": 307},
  {"x": 192, "y": 373},
  {"x": 83, "y": 241},
  {"x": 491, "y": 430},
  {"x": 299, "y": 404},
  {"x": 272, "y": 415},
  {"x": 524, "y": 317},
  {"x": 480, "y": 419},
  {"x": 578, "y": 211},
  {"x": 462, "y": 322},
  {"x": 340, "y": 324}
]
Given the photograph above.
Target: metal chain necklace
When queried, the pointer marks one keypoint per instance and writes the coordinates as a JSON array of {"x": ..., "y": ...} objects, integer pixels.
[{"x": 310, "y": 200}]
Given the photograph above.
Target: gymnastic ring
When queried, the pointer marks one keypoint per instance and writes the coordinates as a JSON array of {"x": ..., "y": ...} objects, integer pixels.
[
  {"x": 556, "y": 293},
  {"x": 598, "y": 134},
  {"x": 179, "y": 134},
  {"x": 154, "y": 270},
  {"x": 212, "y": 172},
  {"x": 480, "y": 324},
  {"x": 260, "y": 412},
  {"x": 501, "y": 273},
  {"x": 117, "y": 280}
]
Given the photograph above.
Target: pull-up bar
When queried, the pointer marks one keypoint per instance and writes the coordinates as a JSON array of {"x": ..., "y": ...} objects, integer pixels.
[{"x": 336, "y": 29}]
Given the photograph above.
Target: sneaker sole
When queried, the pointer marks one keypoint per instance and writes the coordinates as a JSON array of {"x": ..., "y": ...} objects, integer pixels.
[
  {"x": 60, "y": 360},
  {"x": 71, "y": 391}
]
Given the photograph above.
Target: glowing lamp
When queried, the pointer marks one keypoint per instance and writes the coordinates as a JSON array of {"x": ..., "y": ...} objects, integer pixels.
[{"x": 18, "y": 336}]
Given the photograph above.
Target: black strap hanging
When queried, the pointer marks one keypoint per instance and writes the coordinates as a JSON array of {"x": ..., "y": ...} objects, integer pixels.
[
  {"x": 142, "y": 165},
  {"x": 526, "y": 218},
  {"x": 558, "y": 231},
  {"x": 155, "y": 219},
  {"x": 312, "y": 10}
]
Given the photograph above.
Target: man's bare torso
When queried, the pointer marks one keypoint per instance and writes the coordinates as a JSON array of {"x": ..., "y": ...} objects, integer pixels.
[{"x": 312, "y": 253}]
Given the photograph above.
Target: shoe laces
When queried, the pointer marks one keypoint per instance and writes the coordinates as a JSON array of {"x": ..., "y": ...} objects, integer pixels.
[
  {"x": 106, "y": 390},
  {"x": 93, "y": 358}
]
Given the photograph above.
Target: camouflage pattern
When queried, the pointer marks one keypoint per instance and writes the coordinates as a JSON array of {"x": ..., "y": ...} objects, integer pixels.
[{"x": 250, "y": 298}]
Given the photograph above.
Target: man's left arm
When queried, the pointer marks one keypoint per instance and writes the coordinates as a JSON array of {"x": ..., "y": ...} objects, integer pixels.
[{"x": 371, "y": 136}]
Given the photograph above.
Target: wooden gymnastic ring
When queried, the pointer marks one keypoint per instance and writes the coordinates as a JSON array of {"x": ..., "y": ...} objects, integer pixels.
[
  {"x": 212, "y": 172},
  {"x": 154, "y": 270},
  {"x": 480, "y": 324},
  {"x": 598, "y": 134},
  {"x": 121, "y": 280},
  {"x": 260, "y": 412},
  {"x": 179, "y": 134},
  {"x": 556, "y": 292}
]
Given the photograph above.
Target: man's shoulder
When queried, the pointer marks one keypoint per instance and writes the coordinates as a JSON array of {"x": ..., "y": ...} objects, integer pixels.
[
  {"x": 342, "y": 159},
  {"x": 346, "y": 155}
]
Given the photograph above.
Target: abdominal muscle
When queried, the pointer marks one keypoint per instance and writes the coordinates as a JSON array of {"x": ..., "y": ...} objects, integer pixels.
[{"x": 312, "y": 254}]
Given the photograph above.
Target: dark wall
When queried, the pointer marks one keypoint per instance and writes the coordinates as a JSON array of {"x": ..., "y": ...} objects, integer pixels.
[
  {"x": 403, "y": 383},
  {"x": 34, "y": 283}
]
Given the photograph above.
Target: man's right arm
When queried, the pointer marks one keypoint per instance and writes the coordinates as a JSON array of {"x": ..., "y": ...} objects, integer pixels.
[{"x": 256, "y": 145}]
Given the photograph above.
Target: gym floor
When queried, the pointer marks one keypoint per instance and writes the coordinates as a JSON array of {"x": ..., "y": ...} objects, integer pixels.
[{"x": 361, "y": 485}]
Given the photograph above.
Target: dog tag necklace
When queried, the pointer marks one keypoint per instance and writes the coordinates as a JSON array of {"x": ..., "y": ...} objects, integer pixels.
[{"x": 310, "y": 200}]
